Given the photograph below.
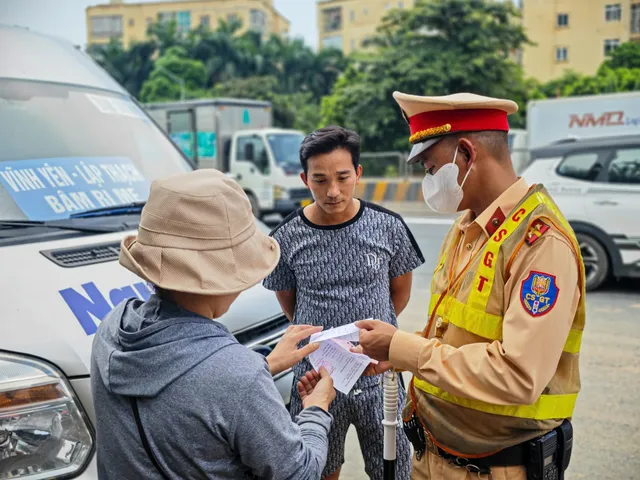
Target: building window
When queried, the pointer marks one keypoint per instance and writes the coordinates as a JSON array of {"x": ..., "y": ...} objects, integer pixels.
[
  {"x": 561, "y": 54},
  {"x": 166, "y": 17},
  {"x": 635, "y": 18},
  {"x": 352, "y": 15},
  {"x": 610, "y": 45},
  {"x": 563, "y": 20},
  {"x": 106, "y": 26},
  {"x": 613, "y": 13},
  {"x": 334, "y": 41},
  {"x": 387, "y": 6},
  {"x": 149, "y": 21},
  {"x": 205, "y": 21},
  {"x": 233, "y": 18},
  {"x": 257, "y": 21},
  {"x": 184, "y": 22},
  {"x": 332, "y": 19},
  {"x": 365, "y": 10},
  {"x": 353, "y": 44},
  {"x": 131, "y": 22},
  {"x": 400, "y": 4}
]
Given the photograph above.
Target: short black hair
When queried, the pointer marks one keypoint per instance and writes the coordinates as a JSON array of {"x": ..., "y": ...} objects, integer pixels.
[{"x": 328, "y": 139}]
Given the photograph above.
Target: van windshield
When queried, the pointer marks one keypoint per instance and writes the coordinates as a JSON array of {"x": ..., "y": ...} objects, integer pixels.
[{"x": 67, "y": 149}]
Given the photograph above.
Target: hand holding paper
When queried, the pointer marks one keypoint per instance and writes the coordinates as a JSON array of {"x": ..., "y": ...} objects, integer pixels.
[{"x": 335, "y": 355}]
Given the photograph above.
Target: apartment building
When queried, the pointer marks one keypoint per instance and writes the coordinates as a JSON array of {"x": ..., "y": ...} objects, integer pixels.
[
  {"x": 345, "y": 24},
  {"x": 129, "y": 21},
  {"x": 575, "y": 34}
]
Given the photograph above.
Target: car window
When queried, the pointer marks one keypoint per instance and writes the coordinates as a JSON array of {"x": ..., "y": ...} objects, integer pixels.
[
  {"x": 625, "y": 167},
  {"x": 581, "y": 166}
]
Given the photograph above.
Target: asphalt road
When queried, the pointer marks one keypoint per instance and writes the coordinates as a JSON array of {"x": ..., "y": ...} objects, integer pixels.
[{"x": 607, "y": 416}]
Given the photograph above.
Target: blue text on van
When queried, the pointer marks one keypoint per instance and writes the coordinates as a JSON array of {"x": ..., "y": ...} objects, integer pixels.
[{"x": 93, "y": 304}]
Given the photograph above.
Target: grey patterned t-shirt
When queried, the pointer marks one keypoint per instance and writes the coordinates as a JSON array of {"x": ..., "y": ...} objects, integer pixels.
[{"x": 342, "y": 273}]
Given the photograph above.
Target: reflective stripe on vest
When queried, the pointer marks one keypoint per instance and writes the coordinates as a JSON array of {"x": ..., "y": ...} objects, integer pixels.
[
  {"x": 485, "y": 324},
  {"x": 472, "y": 317},
  {"x": 547, "y": 407}
]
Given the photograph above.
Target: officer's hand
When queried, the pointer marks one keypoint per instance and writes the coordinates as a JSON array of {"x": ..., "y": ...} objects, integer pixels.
[
  {"x": 373, "y": 368},
  {"x": 316, "y": 389},
  {"x": 375, "y": 338},
  {"x": 287, "y": 354}
]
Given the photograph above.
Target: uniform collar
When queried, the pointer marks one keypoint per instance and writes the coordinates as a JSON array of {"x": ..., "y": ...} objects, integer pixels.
[{"x": 494, "y": 215}]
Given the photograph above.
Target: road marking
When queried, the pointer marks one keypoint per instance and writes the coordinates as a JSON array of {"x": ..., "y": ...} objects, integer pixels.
[{"x": 428, "y": 221}]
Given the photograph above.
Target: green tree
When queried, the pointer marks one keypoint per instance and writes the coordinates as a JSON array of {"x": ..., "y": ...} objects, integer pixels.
[
  {"x": 163, "y": 83},
  {"x": 130, "y": 67},
  {"x": 439, "y": 47},
  {"x": 626, "y": 55}
]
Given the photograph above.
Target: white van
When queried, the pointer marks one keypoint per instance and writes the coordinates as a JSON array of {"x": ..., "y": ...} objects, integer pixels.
[
  {"x": 77, "y": 155},
  {"x": 596, "y": 184}
]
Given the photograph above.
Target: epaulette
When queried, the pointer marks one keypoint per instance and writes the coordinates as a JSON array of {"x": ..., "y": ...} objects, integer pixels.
[{"x": 536, "y": 230}]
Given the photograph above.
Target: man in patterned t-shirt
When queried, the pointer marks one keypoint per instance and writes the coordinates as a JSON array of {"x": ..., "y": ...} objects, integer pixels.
[{"x": 344, "y": 260}]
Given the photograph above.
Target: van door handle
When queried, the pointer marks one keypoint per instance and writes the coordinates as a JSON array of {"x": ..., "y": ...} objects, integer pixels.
[{"x": 606, "y": 202}]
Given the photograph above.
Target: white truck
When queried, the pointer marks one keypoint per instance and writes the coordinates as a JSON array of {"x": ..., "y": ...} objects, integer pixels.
[{"x": 236, "y": 137}]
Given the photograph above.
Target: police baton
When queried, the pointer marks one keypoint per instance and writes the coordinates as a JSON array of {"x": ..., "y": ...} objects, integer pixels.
[{"x": 390, "y": 422}]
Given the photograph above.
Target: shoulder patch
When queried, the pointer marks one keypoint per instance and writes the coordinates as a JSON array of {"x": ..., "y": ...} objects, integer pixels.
[
  {"x": 536, "y": 230},
  {"x": 539, "y": 293}
]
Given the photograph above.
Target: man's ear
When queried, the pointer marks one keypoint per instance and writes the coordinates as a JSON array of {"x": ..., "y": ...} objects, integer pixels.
[
  {"x": 303, "y": 176},
  {"x": 358, "y": 173},
  {"x": 468, "y": 149}
]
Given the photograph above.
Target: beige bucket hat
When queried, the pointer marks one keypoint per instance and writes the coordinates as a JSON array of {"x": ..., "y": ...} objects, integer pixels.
[{"x": 197, "y": 234}]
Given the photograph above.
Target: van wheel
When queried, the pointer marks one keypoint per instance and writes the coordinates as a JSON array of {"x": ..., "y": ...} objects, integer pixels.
[
  {"x": 255, "y": 208},
  {"x": 596, "y": 261}
]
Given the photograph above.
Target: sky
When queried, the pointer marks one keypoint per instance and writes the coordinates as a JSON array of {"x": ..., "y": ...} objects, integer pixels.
[{"x": 66, "y": 18}]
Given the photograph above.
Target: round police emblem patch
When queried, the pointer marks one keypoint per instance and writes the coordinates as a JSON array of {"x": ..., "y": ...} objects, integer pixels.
[{"x": 539, "y": 293}]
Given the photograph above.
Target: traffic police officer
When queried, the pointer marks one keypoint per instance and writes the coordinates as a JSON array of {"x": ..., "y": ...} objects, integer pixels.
[{"x": 495, "y": 371}]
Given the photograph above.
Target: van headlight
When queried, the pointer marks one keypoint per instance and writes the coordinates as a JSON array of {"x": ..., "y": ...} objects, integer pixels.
[
  {"x": 43, "y": 431},
  {"x": 280, "y": 193}
]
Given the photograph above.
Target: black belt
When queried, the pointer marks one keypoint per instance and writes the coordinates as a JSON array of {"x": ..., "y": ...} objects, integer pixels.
[{"x": 509, "y": 457}]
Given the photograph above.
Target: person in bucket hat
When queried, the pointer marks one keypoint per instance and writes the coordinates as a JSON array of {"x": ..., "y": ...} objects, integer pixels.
[
  {"x": 495, "y": 370},
  {"x": 176, "y": 396}
]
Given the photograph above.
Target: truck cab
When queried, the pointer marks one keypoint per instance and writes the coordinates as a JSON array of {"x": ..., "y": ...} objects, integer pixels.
[{"x": 236, "y": 137}]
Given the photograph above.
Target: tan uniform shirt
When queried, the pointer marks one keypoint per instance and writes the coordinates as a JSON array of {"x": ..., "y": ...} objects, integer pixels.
[{"x": 517, "y": 369}]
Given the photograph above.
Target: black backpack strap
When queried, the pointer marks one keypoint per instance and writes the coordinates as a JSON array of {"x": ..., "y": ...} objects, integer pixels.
[{"x": 145, "y": 441}]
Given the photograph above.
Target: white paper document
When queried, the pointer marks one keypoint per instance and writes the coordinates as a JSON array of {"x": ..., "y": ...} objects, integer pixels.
[{"x": 344, "y": 366}]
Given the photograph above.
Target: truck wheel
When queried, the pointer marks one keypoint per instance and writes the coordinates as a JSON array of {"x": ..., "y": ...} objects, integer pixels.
[
  {"x": 255, "y": 207},
  {"x": 596, "y": 261}
]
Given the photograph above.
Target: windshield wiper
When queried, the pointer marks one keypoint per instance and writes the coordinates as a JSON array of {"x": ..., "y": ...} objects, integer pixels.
[
  {"x": 61, "y": 225},
  {"x": 124, "y": 209}
]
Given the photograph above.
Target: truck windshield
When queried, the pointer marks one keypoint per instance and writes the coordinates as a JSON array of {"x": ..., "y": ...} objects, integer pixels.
[
  {"x": 286, "y": 149},
  {"x": 68, "y": 149}
]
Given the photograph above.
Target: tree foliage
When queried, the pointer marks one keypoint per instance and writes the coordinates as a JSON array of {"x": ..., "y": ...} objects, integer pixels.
[{"x": 437, "y": 48}]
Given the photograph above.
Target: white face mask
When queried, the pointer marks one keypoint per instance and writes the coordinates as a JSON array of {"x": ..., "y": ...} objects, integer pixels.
[{"x": 441, "y": 191}]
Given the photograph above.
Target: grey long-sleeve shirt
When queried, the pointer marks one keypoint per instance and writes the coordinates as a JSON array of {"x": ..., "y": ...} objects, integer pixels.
[{"x": 208, "y": 405}]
